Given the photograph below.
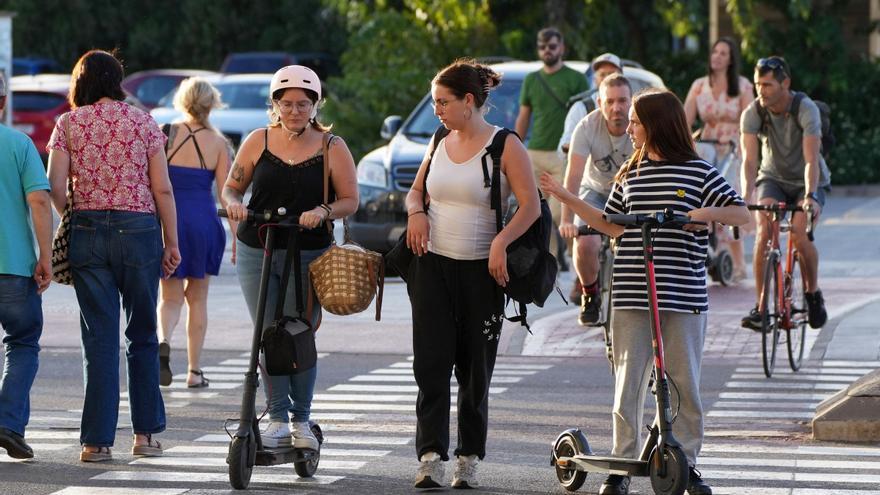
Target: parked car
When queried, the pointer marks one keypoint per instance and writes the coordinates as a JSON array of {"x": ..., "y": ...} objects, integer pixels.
[
  {"x": 150, "y": 86},
  {"x": 268, "y": 62},
  {"x": 22, "y": 66},
  {"x": 386, "y": 173},
  {"x": 37, "y": 102},
  {"x": 246, "y": 99}
]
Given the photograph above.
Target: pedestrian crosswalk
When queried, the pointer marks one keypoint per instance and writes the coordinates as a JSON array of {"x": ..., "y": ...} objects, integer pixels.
[
  {"x": 740, "y": 457},
  {"x": 365, "y": 418}
]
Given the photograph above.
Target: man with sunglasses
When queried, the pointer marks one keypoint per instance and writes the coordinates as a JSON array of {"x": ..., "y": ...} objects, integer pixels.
[
  {"x": 543, "y": 101},
  {"x": 792, "y": 169}
]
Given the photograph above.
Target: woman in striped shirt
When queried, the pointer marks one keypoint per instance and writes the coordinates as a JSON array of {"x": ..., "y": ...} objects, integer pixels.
[{"x": 664, "y": 172}]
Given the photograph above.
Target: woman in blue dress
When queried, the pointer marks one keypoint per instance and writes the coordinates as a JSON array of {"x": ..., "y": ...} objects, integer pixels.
[{"x": 198, "y": 156}]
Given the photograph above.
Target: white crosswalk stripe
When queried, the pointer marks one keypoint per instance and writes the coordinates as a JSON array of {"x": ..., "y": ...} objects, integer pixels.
[
  {"x": 369, "y": 416},
  {"x": 762, "y": 406}
]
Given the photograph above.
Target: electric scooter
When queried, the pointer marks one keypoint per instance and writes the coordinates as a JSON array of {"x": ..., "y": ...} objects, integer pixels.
[
  {"x": 246, "y": 449},
  {"x": 662, "y": 457}
]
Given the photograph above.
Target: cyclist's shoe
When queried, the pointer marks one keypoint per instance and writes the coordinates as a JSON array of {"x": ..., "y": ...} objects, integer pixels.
[
  {"x": 753, "y": 320},
  {"x": 591, "y": 304},
  {"x": 615, "y": 484},
  {"x": 696, "y": 485},
  {"x": 430, "y": 473},
  {"x": 816, "y": 309}
]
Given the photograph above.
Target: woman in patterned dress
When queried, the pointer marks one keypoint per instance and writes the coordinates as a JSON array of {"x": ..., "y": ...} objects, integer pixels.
[{"x": 719, "y": 99}]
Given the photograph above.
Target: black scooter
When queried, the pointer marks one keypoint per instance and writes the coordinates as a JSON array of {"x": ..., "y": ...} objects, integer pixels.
[
  {"x": 246, "y": 448},
  {"x": 662, "y": 457}
]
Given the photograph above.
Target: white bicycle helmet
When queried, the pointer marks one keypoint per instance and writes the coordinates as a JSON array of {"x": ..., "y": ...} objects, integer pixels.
[{"x": 295, "y": 76}]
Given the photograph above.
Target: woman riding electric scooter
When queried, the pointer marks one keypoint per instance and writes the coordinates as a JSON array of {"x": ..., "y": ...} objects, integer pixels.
[{"x": 665, "y": 173}]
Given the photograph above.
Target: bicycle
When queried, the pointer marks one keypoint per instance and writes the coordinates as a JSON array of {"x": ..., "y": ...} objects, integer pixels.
[
  {"x": 606, "y": 262},
  {"x": 782, "y": 305}
]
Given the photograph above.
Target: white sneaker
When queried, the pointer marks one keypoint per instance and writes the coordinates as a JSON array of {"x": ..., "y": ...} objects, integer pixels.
[
  {"x": 276, "y": 434},
  {"x": 465, "y": 472},
  {"x": 430, "y": 473},
  {"x": 303, "y": 438}
]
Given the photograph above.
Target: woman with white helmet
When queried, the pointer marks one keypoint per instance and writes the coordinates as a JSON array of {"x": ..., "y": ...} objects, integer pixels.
[{"x": 284, "y": 164}]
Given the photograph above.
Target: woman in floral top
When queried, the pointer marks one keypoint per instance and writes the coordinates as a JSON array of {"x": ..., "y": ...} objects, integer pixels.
[
  {"x": 718, "y": 100},
  {"x": 113, "y": 155}
]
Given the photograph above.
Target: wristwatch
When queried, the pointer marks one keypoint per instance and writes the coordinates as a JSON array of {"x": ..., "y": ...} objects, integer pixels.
[{"x": 812, "y": 195}]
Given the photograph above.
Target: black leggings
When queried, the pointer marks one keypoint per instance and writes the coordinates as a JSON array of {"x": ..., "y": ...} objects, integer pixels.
[{"x": 457, "y": 312}]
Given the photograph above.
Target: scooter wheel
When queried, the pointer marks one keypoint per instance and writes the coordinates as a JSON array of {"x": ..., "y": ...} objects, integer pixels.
[
  {"x": 570, "y": 479},
  {"x": 239, "y": 460},
  {"x": 673, "y": 480},
  {"x": 307, "y": 469},
  {"x": 724, "y": 268}
]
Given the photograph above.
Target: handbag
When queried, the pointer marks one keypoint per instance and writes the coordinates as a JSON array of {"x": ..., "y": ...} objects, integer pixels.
[
  {"x": 288, "y": 343},
  {"x": 347, "y": 277},
  {"x": 61, "y": 242}
]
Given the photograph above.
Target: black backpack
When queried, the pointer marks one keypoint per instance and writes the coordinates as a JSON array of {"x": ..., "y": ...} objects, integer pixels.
[
  {"x": 828, "y": 139},
  {"x": 530, "y": 265},
  {"x": 584, "y": 96}
]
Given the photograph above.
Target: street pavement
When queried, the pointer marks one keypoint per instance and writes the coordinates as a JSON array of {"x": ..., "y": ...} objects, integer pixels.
[{"x": 757, "y": 429}]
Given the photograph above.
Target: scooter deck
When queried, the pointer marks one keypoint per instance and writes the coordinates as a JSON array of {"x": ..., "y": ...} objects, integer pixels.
[
  {"x": 284, "y": 455},
  {"x": 605, "y": 464}
]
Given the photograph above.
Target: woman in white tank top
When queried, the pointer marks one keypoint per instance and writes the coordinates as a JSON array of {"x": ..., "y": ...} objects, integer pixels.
[{"x": 456, "y": 282}]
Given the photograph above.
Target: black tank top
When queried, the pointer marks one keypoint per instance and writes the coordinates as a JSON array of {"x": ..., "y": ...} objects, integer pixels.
[{"x": 298, "y": 187}]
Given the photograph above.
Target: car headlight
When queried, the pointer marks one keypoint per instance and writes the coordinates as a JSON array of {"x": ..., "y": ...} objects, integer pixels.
[{"x": 370, "y": 173}]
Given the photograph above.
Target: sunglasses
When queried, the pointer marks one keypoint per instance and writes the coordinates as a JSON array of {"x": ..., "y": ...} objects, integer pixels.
[
  {"x": 548, "y": 46},
  {"x": 771, "y": 63}
]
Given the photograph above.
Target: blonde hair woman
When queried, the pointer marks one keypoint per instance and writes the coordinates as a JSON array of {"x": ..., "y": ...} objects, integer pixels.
[{"x": 198, "y": 156}]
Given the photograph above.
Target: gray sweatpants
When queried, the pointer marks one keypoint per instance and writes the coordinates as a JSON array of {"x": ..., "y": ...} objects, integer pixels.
[{"x": 683, "y": 336}]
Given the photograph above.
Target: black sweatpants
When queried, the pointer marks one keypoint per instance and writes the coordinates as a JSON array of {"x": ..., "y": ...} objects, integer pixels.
[{"x": 457, "y": 312}]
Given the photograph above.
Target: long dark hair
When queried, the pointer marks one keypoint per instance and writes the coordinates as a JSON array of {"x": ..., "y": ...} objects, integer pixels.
[
  {"x": 97, "y": 74},
  {"x": 666, "y": 130},
  {"x": 732, "y": 67}
]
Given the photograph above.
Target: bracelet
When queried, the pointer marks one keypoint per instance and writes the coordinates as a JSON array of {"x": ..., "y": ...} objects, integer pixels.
[
  {"x": 327, "y": 209},
  {"x": 416, "y": 213}
]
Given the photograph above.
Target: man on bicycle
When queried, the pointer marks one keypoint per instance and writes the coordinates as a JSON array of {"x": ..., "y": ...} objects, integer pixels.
[
  {"x": 600, "y": 146},
  {"x": 792, "y": 170}
]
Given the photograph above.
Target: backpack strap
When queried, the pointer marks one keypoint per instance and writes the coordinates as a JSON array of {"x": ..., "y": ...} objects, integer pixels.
[
  {"x": 795, "y": 109},
  {"x": 439, "y": 134}
]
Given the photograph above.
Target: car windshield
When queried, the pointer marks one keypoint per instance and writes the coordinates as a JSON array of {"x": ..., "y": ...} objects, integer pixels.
[
  {"x": 235, "y": 95},
  {"x": 36, "y": 101},
  {"x": 503, "y": 106}
]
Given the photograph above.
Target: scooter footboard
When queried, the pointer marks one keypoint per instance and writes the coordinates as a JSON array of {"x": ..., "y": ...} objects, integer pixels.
[{"x": 603, "y": 464}]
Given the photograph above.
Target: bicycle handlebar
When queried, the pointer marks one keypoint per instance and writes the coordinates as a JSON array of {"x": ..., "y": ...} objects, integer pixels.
[
  {"x": 775, "y": 207},
  {"x": 660, "y": 219}
]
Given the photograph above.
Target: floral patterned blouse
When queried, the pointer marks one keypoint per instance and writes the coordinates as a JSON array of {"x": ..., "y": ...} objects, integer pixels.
[
  {"x": 111, "y": 148},
  {"x": 720, "y": 117}
]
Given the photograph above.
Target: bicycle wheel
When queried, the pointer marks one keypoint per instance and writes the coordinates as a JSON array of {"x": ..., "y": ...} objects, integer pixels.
[
  {"x": 795, "y": 286},
  {"x": 770, "y": 313}
]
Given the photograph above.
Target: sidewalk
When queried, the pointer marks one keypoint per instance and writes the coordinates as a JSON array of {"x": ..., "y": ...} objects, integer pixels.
[{"x": 852, "y": 331}]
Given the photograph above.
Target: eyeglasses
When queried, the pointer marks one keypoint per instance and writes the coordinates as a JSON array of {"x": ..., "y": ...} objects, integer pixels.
[
  {"x": 442, "y": 103},
  {"x": 548, "y": 46},
  {"x": 772, "y": 63},
  {"x": 287, "y": 106}
]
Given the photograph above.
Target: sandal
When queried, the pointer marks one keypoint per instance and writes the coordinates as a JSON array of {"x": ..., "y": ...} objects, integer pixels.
[
  {"x": 202, "y": 383},
  {"x": 164, "y": 364},
  {"x": 100, "y": 455},
  {"x": 151, "y": 449}
]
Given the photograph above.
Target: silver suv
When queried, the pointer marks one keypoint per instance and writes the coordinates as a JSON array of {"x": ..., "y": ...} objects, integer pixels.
[{"x": 386, "y": 173}]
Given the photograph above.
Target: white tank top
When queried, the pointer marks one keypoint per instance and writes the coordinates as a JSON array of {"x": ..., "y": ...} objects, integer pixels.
[{"x": 461, "y": 218}]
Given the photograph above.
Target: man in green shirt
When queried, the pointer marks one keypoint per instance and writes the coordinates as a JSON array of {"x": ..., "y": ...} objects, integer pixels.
[{"x": 543, "y": 100}]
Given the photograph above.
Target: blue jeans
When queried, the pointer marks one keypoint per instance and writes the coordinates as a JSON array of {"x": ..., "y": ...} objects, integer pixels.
[
  {"x": 21, "y": 314},
  {"x": 292, "y": 393},
  {"x": 113, "y": 254}
]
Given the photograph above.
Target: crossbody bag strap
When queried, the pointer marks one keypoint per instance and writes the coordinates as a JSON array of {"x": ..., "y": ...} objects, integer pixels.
[
  {"x": 327, "y": 137},
  {"x": 550, "y": 90},
  {"x": 69, "y": 162}
]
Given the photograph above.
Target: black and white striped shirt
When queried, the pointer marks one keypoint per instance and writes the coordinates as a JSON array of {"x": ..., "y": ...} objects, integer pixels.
[{"x": 679, "y": 255}]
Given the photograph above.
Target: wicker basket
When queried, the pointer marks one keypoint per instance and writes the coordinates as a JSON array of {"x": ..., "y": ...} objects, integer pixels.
[{"x": 347, "y": 277}]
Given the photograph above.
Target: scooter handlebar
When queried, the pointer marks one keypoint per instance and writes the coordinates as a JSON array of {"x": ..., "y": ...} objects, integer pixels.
[
  {"x": 662, "y": 218},
  {"x": 279, "y": 216}
]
